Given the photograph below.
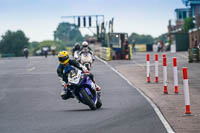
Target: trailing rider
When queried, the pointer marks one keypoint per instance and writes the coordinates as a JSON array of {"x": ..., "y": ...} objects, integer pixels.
[
  {"x": 85, "y": 47},
  {"x": 77, "y": 47}
]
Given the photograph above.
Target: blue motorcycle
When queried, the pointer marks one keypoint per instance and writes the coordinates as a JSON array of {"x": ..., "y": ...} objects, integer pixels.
[{"x": 82, "y": 87}]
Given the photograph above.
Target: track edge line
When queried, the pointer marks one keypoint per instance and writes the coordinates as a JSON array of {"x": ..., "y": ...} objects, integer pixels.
[{"x": 156, "y": 109}]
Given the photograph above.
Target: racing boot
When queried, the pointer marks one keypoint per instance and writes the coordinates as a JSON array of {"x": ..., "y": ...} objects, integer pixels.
[
  {"x": 66, "y": 94},
  {"x": 98, "y": 89}
]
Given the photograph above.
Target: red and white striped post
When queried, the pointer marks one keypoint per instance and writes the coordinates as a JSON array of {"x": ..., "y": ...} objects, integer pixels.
[
  {"x": 148, "y": 68},
  {"x": 164, "y": 55},
  {"x": 186, "y": 91},
  {"x": 156, "y": 68},
  {"x": 175, "y": 75},
  {"x": 165, "y": 75}
]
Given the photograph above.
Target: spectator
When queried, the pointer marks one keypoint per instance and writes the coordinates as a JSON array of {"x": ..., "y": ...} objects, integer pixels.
[
  {"x": 133, "y": 46},
  {"x": 127, "y": 56}
]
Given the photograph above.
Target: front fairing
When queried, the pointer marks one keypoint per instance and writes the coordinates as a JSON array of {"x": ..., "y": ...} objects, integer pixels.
[
  {"x": 86, "y": 57},
  {"x": 84, "y": 83}
]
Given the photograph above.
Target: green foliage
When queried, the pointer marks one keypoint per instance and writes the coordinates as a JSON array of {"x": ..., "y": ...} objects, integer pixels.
[
  {"x": 162, "y": 38},
  {"x": 48, "y": 43},
  {"x": 13, "y": 43},
  {"x": 67, "y": 32},
  {"x": 141, "y": 39},
  {"x": 188, "y": 24},
  {"x": 33, "y": 45}
]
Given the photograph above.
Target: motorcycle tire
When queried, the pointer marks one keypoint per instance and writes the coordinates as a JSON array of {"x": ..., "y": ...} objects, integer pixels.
[
  {"x": 99, "y": 103},
  {"x": 88, "y": 100}
]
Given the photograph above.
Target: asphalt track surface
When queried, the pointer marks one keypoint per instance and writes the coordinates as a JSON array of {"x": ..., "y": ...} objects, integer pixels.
[{"x": 30, "y": 102}]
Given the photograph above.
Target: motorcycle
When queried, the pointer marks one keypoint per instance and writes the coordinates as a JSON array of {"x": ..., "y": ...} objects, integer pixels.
[
  {"x": 82, "y": 87},
  {"x": 86, "y": 59},
  {"x": 26, "y": 53},
  {"x": 45, "y": 54},
  {"x": 45, "y": 51}
]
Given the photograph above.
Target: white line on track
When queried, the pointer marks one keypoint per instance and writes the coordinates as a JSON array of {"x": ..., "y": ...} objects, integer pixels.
[
  {"x": 156, "y": 109},
  {"x": 31, "y": 69},
  {"x": 184, "y": 56},
  {"x": 140, "y": 65}
]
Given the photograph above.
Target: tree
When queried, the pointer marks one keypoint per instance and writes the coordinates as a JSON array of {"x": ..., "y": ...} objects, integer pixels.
[
  {"x": 188, "y": 24},
  {"x": 48, "y": 43},
  {"x": 67, "y": 32},
  {"x": 33, "y": 45},
  {"x": 141, "y": 39},
  {"x": 13, "y": 43},
  {"x": 162, "y": 37}
]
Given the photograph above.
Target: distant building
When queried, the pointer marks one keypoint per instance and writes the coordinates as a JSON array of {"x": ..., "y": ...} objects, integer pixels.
[
  {"x": 181, "y": 14},
  {"x": 176, "y": 32},
  {"x": 194, "y": 34},
  {"x": 194, "y": 6}
]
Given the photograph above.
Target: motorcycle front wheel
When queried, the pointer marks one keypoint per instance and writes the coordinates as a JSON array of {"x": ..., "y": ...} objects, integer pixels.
[{"x": 88, "y": 100}]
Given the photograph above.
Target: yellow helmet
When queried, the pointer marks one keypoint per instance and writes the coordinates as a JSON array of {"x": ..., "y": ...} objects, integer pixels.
[{"x": 63, "y": 57}]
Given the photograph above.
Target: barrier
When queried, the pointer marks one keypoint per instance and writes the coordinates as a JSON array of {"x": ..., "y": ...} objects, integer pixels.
[
  {"x": 130, "y": 51},
  {"x": 105, "y": 53},
  {"x": 156, "y": 68},
  {"x": 140, "y": 47},
  {"x": 148, "y": 68},
  {"x": 186, "y": 91},
  {"x": 175, "y": 72},
  {"x": 165, "y": 75},
  {"x": 69, "y": 50}
]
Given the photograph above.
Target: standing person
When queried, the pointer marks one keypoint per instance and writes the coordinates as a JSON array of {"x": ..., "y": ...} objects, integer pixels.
[
  {"x": 126, "y": 50},
  {"x": 65, "y": 66},
  {"x": 162, "y": 45},
  {"x": 195, "y": 42},
  {"x": 133, "y": 46}
]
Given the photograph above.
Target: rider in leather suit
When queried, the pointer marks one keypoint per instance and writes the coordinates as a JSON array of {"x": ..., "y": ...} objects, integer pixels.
[
  {"x": 85, "y": 48},
  {"x": 65, "y": 66}
]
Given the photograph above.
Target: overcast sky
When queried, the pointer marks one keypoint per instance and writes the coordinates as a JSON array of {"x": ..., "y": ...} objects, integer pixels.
[{"x": 39, "y": 18}]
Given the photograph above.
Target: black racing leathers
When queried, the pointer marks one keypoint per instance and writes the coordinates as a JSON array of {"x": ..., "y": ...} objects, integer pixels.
[
  {"x": 63, "y": 70},
  {"x": 75, "y": 49}
]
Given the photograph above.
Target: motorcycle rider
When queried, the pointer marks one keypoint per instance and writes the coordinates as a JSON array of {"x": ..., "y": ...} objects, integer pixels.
[
  {"x": 77, "y": 47},
  {"x": 85, "y": 47},
  {"x": 65, "y": 66},
  {"x": 45, "y": 51},
  {"x": 26, "y": 52}
]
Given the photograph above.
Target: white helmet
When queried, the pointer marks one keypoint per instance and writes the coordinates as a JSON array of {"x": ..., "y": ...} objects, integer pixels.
[{"x": 85, "y": 44}]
